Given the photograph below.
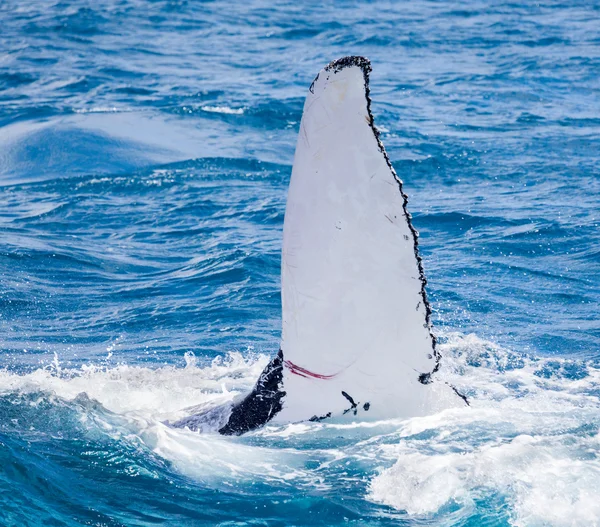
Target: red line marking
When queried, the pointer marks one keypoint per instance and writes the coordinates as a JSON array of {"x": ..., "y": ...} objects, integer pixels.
[{"x": 303, "y": 372}]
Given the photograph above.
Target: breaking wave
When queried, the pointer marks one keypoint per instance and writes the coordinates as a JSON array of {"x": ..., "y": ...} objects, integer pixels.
[{"x": 527, "y": 447}]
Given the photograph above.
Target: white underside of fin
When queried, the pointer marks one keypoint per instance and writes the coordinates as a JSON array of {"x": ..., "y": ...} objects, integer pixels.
[{"x": 354, "y": 309}]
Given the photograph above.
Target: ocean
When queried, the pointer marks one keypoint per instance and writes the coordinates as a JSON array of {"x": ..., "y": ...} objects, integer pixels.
[{"x": 145, "y": 153}]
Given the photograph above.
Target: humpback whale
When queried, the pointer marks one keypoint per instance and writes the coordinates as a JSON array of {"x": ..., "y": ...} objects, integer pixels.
[{"x": 356, "y": 338}]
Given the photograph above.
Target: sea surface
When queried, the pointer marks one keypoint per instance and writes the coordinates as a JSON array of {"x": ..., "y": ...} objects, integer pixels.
[{"x": 145, "y": 153}]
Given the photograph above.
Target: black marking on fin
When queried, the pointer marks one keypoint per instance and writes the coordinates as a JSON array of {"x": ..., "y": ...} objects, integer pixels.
[
  {"x": 351, "y": 401},
  {"x": 312, "y": 86},
  {"x": 316, "y": 419},
  {"x": 425, "y": 378},
  {"x": 261, "y": 404},
  {"x": 461, "y": 395}
]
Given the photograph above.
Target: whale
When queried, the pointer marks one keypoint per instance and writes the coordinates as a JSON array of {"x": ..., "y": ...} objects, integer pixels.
[{"x": 357, "y": 340}]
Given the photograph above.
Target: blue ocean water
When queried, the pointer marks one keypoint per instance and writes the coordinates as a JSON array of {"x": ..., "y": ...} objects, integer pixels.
[{"x": 145, "y": 152}]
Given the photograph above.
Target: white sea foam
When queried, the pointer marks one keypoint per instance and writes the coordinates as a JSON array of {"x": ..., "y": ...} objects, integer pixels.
[
  {"x": 140, "y": 401},
  {"x": 523, "y": 438},
  {"x": 155, "y": 393},
  {"x": 529, "y": 439},
  {"x": 547, "y": 480}
]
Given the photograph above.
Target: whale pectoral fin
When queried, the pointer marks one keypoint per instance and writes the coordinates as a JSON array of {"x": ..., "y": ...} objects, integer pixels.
[
  {"x": 351, "y": 274},
  {"x": 351, "y": 271}
]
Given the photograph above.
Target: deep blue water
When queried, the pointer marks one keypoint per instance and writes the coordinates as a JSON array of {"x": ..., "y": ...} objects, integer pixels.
[{"x": 145, "y": 152}]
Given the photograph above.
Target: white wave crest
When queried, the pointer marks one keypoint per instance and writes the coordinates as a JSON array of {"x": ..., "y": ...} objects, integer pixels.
[
  {"x": 523, "y": 438},
  {"x": 529, "y": 441},
  {"x": 223, "y": 109},
  {"x": 157, "y": 393}
]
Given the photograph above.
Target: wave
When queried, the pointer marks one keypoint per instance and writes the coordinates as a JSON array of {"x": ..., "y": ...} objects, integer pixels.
[
  {"x": 223, "y": 109},
  {"x": 530, "y": 439}
]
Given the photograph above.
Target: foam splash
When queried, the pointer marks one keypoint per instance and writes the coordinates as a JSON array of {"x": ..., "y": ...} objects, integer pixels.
[
  {"x": 530, "y": 439},
  {"x": 134, "y": 404},
  {"x": 157, "y": 394},
  {"x": 547, "y": 480}
]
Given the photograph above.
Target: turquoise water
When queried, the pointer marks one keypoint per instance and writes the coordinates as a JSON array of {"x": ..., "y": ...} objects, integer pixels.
[{"x": 145, "y": 152}]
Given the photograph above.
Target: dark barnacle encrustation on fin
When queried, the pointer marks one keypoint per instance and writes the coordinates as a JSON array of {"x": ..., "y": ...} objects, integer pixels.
[{"x": 345, "y": 62}]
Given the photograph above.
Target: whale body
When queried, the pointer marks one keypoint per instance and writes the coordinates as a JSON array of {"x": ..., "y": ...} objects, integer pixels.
[{"x": 356, "y": 340}]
